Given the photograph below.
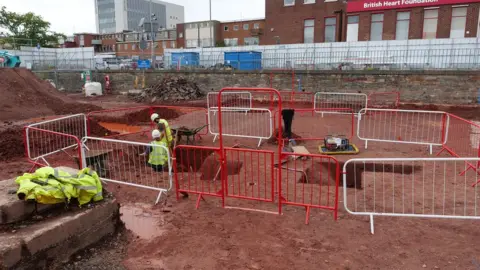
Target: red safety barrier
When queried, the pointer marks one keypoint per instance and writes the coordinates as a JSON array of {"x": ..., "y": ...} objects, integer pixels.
[
  {"x": 198, "y": 171},
  {"x": 384, "y": 100},
  {"x": 311, "y": 125},
  {"x": 462, "y": 139},
  {"x": 310, "y": 181},
  {"x": 41, "y": 144}
]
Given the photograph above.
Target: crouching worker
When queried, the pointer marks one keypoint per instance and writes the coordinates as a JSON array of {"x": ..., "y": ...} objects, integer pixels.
[
  {"x": 157, "y": 152},
  {"x": 164, "y": 128}
]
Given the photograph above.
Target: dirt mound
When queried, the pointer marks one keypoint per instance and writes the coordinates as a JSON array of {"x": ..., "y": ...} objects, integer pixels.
[
  {"x": 11, "y": 143},
  {"x": 176, "y": 89},
  {"x": 25, "y": 96}
]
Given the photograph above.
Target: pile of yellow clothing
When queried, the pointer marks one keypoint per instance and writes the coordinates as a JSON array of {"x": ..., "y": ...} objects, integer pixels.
[{"x": 50, "y": 186}]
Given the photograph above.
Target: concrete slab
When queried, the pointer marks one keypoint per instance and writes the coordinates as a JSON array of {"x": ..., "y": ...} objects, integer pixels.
[
  {"x": 12, "y": 209},
  {"x": 52, "y": 241}
]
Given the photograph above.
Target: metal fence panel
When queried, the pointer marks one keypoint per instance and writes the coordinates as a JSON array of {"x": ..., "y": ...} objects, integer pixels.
[
  {"x": 411, "y": 187},
  {"x": 326, "y": 101}
]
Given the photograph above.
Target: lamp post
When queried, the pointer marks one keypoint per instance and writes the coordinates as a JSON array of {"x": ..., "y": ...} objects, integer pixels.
[
  {"x": 211, "y": 26},
  {"x": 153, "y": 18}
]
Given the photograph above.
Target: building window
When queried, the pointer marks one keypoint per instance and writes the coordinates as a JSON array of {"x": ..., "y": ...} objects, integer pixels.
[
  {"x": 251, "y": 41},
  {"x": 308, "y": 31},
  {"x": 235, "y": 28},
  {"x": 225, "y": 28},
  {"x": 246, "y": 26},
  {"x": 231, "y": 41},
  {"x": 309, "y": 1},
  {"x": 180, "y": 35},
  {"x": 459, "y": 20},
  {"x": 403, "y": 24},
  {"x": 376, "y": 28},
  {"x": 352, "y": 28},
  {"x": 256, "y": 26},
  {"x": 172, "y": 44},
  {"x": 287, "y": 3},
  {"x": 330, "y": 29},
  {"x": 164, "y": 44},
  {"x": 430, "y": 22}
]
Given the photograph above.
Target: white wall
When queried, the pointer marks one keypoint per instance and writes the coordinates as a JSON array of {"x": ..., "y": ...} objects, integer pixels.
[
  {"x": 399, "y": 54},
  {"x": 174, "y": 11}
]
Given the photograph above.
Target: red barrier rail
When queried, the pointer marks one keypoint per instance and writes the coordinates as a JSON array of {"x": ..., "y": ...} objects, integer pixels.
[
  {"x": 310, "y": 181},
  {"x": 384, "y": 100}
]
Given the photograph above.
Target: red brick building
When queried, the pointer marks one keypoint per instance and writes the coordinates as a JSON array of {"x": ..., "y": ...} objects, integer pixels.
[{"x": 317, "y": 21}]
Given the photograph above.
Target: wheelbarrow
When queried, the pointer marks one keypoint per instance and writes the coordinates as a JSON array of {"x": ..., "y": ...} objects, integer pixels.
[{"x": 191, "y": 134}]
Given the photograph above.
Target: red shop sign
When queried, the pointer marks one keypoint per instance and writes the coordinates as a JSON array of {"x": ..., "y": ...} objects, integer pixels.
[{"x": 371, "y": 5}]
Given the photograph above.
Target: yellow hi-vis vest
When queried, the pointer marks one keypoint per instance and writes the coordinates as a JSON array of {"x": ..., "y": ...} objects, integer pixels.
[
  {"x": 50, "y": 186},
  {"x": 158, "y": 155},
  {"x": 168, "y": 132}
]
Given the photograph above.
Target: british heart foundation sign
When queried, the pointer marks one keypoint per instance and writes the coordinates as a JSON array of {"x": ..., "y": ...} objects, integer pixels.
[{"x": 375, "y": 5}]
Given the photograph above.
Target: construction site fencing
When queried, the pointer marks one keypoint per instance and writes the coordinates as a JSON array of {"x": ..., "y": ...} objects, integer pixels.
[
  {"x": 437, "y": 54},
  {"x": 384, "y": 100},
  {"x": 402, "y": 126},
  {"x": 230, "y": 100},
  {"x": 411, "y": 187},
  {"x": 127, "y": 163},
  {"x": 324, "y": 102},
  {"x": 254, "y": 123},
  {"x": 52, "y": 136},
  {"x": 50, "y": 148},
  {"x": 310, "y": 181}
]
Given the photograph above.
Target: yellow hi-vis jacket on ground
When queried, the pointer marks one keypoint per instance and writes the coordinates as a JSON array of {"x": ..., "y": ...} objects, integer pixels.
[
  {"x": 158, "y": 154},
  {"x": 168, "y": 138},
  {"x": 50, "y": 186}
]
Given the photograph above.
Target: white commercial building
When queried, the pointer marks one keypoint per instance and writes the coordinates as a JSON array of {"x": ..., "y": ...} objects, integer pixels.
[{"x": 113, "y": 16}]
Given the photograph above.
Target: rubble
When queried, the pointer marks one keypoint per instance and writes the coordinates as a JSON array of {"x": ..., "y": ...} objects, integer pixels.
[{"x": 172, "y": 89}]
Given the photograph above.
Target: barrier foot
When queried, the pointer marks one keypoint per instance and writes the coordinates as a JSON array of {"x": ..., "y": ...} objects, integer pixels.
[
  {"x": 372, "y": 230},
  {"x": 307, "y": 215},
  {"x": 200, "y": 197},
  {"x": 158, "y": 197},
  {"x": 441, "y": 151}
]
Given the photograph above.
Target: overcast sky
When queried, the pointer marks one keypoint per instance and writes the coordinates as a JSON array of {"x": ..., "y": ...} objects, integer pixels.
[{"x": 69, "y": 16}]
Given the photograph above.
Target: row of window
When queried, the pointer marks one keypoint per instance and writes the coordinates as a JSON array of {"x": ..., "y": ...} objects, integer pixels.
[
  {"x": 288, "y": 3},
  {"x": 246, "y": 26},
  {"x": 173, "y": 44},
  {"x": 246, "y": 41},
  {"x": 430, "y": 26}
]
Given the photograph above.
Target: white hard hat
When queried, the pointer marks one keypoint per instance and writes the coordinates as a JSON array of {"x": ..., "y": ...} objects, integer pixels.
[
  {"x": 154, "y": 116},
  {"x": 155, "y": 134}
]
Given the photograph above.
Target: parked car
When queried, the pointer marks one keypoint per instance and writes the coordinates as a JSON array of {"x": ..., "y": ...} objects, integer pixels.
[{"x": 126, "y": 64}]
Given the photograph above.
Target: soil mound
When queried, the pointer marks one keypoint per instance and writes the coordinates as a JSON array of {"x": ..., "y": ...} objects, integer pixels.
[
  {"x": 24, "y": 95},
  {"x": 11, "y": 144}
]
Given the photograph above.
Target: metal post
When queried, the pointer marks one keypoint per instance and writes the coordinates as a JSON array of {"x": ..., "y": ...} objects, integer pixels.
[
  {"x": 152, "y": 37},
  {"x": 211, "y": 26}
]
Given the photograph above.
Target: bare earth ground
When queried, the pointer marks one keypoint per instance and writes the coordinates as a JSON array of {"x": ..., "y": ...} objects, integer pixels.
[{"x": 175, "y": 235}]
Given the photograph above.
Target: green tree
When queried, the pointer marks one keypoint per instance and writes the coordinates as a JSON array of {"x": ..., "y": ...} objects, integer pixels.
[{"x": 27, "y": 29}]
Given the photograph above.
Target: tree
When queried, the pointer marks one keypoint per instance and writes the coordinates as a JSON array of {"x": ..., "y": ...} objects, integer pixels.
[{"x": 27, "y": 29}]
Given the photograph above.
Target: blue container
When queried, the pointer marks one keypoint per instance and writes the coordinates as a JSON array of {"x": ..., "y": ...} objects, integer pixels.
[
  {"x": 186, "y": 59},
  {"x": 249, "y": 60}
]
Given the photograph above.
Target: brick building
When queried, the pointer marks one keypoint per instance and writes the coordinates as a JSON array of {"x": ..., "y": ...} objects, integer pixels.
[
  {"x": 317, "y": 21},
  {"x": 208, "y": 33}
]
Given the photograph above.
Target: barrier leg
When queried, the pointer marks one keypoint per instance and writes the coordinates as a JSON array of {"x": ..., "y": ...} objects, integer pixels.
[
  {"x": 259, "y": 143},
  {"x": 215, "y": 138},
  {"x": 366, "y": 144},
  {"x": 372, "y": 229},
  {"x": 307, "y": 215},
  {"x": 431, "y": 149},
  {"x": 158, "y": 197},
  {"x": 200, "y": 197}
]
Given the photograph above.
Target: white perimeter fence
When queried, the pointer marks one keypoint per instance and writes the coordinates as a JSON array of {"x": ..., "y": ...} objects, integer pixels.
[
  {"x": 411, "y": 187},
  {"x": 402, "y": 126},
  {"x": 123, "y": 162},
  {"x": 255, "y": 123},
  {"x": 327, "y": 102}
]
